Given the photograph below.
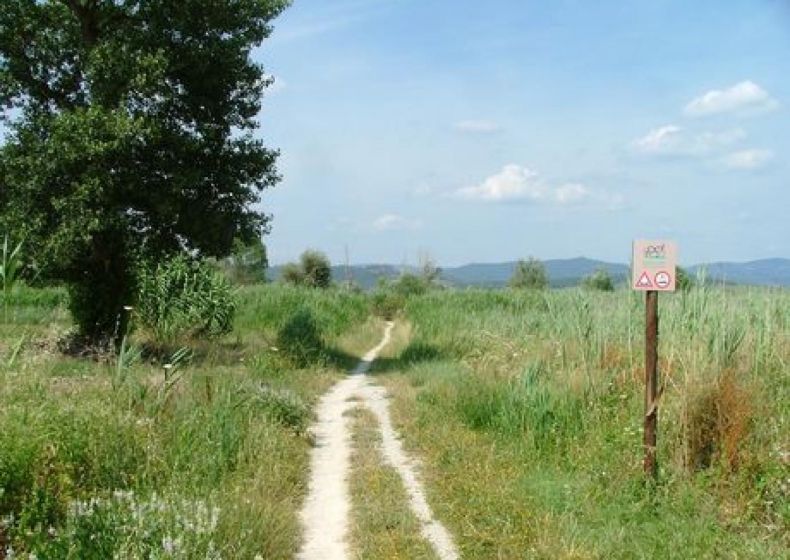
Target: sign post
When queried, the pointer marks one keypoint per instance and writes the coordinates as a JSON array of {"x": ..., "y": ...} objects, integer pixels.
[{"x": 653, "y": 270}]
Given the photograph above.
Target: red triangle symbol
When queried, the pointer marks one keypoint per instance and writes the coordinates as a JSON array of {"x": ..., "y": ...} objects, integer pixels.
[{"x": 644, "y": 281}]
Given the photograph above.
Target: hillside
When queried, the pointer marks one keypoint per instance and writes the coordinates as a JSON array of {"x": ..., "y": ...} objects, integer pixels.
[{"x": 565, "y": 272}]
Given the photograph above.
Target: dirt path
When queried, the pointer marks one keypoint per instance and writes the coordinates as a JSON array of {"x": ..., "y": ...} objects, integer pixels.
[{"x": 325, "y": 515}]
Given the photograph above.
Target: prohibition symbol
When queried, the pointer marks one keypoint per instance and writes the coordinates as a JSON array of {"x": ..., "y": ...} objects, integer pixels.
[
  {"x": 644, "y": 281},
  {"x": 663, "y": 279}
]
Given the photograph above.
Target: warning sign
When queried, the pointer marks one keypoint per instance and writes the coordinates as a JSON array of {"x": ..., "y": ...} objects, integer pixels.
[
  {"x": 653, "y": 265},
  {"x": 644, "y": 281}
]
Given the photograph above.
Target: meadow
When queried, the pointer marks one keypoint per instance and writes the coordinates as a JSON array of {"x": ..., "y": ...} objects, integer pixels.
[
  {"x": 524, "y": 406},
  {"x": 198, "y": 454},
  {"x": 527, "y": 410}
]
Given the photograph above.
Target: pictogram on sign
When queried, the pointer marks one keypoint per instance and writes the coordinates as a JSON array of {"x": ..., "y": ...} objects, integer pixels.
[
  {"x": 644, "y": 281},
  {"x": 663, "y": 279}
]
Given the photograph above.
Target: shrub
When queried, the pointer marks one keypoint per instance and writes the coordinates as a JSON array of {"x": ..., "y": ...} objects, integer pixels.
[
  {"x": 316, "y": 269},
  {"x": 313, "y": 270},
  {"x": 183, "y": 297},
  {"x": 530, "y": 274},
  {"x": 291, "y": 273},
  {"x": 247, "y": 264},
  {"x": 387, "y": 303},
  {"x": 300, "y": 337},
  {"x": 409, "y": 284},
  {"x": 599, "y": 280}
]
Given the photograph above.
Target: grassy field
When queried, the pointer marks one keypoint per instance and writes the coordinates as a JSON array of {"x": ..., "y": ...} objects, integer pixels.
[
  {"x": 525, "y": 409},
  {"x": 123, "y": 457}
]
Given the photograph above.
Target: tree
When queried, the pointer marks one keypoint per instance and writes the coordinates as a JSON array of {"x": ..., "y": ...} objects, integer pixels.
[
  {"x": 313, "y": 270},
  {"x": 529, "y": 274},
  {"x": 429, "y": 270},
  {"x": 247, "y": 262},
  {"x": 291, "y": 273},
  {"x": 316, "y": 268},
  {"x": 131, "y": 137},
  {"x": 599, "y": 280}
]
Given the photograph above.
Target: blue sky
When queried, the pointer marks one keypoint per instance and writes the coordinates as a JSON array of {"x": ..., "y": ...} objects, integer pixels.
[{"x": 490, "y": 131}]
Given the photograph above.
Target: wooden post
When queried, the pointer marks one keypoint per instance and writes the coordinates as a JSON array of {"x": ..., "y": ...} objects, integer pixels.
[{"x": 651, "y": 383}]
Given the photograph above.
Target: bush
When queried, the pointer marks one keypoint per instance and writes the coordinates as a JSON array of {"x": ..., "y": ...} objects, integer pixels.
[
  {"x": 599, "y": 280},
  {"x": 313, "y": 270},
  {"x": 291, "y": 273},
  {"x": 316, "y": 268},
  {"x": 247, "y": 264},
  {"x": 529, "y": 274},
  {"x": 410, "y": 285},
  {"x": 300, "y": 338},
  {"x": 387, "y": 303},
  {"x": 183, "y": 297}
]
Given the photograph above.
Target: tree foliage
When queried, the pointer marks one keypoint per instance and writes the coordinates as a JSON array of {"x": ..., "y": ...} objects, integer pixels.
[
  {"x": 599, "y": 280},
  {"x": 529, "y": 274},
  {"x": 313, "y": 270},
  {"x": 247, "y": 262},
  {"x": 316, "y": 268},
  {"x": 131, "y": 135}
]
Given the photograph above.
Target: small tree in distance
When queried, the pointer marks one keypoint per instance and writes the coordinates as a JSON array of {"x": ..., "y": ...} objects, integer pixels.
[
  {"x": 313, "y": 270},
  {"x": 316, "y": 268},
  {"x": 529, "y": 274},
  {"x": 599, "y": 280}
]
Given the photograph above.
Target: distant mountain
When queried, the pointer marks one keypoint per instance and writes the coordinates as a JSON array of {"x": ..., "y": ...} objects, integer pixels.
[
  {"x": 564, "y": 272},
  {"x": 764, "y": 272}
]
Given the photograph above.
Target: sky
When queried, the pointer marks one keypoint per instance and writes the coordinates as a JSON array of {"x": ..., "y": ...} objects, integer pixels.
[{"x": 491, "y": 131}]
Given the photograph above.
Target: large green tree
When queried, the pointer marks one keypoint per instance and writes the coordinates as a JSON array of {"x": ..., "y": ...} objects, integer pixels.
[{"x": 130, "y": 136}]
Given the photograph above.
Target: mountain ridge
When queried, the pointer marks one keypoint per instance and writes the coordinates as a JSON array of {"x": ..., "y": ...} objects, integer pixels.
[{"x": 564, "y": 272}]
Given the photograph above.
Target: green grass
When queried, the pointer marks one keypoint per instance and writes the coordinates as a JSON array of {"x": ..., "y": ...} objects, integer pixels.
[
  {"x": 526, "y": 409},
  {"x": 206, "y": 459},
  {"x": 523, "y": 407},
  {"x": 383, "y": 526}
]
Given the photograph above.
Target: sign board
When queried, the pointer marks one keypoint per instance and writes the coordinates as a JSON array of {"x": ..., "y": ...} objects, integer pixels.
[{"x": 653, "y": 265}]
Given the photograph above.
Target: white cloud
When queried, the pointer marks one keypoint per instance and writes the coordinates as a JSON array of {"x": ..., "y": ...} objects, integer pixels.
[
  {"x": 395, "y": 222},
  {"x": 659, "y": 140},
  {"x": 477, "y": 126},
  {"x": 743, "y": 97},
  {"x": 748, "y": 160},
  {"x": 571, "y": 193},
  {"x": 675, "y": 141},
  {"x": 515, "y": 183}
]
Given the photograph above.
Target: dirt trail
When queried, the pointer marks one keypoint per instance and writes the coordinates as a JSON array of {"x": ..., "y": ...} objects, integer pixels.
[{"x": 325, "y": 515}]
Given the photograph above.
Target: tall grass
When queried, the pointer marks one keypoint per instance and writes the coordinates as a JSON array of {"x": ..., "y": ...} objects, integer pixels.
[
  {"x": 127, "y": 457},
  {"x": 557, "y": 380},
  {"x": 10, "y": 268}
]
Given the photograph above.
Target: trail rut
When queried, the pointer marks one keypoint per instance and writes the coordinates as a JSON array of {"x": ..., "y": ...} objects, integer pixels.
[{"x": 326, "y": 512}]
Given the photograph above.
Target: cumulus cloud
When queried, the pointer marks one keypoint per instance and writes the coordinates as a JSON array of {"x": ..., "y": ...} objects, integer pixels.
[
  {"x": 395, "y": 222},
  {"x": 743, "y": 97},
  {"x": 748, "y": 160},
  {"x": 675, "y": 141},
  {"x": 477, "y": 126},
  {"x": 515, "y": 183}
]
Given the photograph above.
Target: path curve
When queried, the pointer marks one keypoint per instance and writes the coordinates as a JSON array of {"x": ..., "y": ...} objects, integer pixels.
[{"x": 325, "y": 515}]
